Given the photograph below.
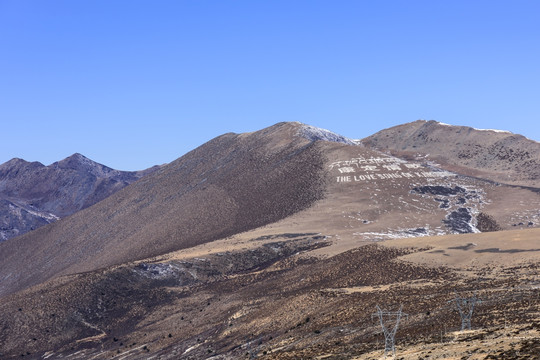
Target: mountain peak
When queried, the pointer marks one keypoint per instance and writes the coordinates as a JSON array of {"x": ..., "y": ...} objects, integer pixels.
[
  {"x": 438, "y": 124},
  {"x": 76, "y": 158},
  {"x": 19, "y": 162},
  {"x": 314, "y": 133},
  {"x": 35, "y": 194},
  {"x": 14, "y": 165},
  {"x": 497, "y": 155},
  {"x": 80, "y": 162}
]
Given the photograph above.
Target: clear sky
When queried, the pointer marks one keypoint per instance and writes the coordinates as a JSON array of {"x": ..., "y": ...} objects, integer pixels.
[{"x": 132, "y": 83}]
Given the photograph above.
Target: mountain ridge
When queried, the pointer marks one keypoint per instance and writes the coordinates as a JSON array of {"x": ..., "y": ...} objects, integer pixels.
[
  {"x": 238, "y": 182},
  {"x": 277, "y": 245},
  {"x": 245, "y": 181},
  {"x": 496, "y": 155},
  {"x": 33, "y": 195}
]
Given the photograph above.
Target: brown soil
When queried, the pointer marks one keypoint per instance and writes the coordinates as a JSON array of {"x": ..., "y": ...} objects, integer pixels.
[
  {"x": 275, "y": 302},
  {"x": 271, "y": 246}
]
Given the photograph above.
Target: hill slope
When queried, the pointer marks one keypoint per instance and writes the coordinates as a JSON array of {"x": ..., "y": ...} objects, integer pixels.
[
  {"x": 492, "y": 154},
  {"x": 231, "y": 184},
  {"x": 33, "y": 195},
  {"x": 272, "y": 302},
  {"x": 281, "y": 179},
  {"x": 279, "y": 245}
]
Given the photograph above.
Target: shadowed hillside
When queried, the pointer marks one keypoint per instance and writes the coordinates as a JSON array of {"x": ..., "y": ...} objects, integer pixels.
[
  {"x": 33, "y": 195},
  {"x": 276, "y": 245},
  {"x": 228, "y": 185},
  {"x": 271, "y": 302}
]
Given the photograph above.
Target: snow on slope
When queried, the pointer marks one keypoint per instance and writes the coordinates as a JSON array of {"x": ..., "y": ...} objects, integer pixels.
[{"x": 314, "y": 133}]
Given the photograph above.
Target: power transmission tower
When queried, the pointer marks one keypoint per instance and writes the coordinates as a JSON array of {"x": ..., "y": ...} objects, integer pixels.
[
  {"x": 386, "y": 316},
  {"x": 465, "y": 308}
]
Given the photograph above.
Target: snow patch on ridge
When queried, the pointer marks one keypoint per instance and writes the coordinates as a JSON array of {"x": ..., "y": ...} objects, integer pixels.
[
  {"x": 314, "y": 133},
  {"x": 444, "y": 124},
  {"x": 494, "y": 130}
]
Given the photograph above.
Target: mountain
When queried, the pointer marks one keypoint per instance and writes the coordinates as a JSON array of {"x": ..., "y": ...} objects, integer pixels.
[
  {"x": 279, "y": 244},
  {"x": 497, "y": 155},
  {"x": 33, "y": 195},
  {"x": 231, "y": 184}
]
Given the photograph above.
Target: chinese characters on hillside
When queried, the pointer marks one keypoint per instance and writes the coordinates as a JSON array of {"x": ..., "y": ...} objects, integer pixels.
[{"x": 380, "y": 168}]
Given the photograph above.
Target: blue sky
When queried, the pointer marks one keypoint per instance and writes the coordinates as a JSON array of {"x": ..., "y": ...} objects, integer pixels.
[{"x": 135, "y": 83}]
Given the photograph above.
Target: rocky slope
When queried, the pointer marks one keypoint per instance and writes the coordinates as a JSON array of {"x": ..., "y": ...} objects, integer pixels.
[
  {"x": 270, "y": 301},
  {"x": 33, "y": 195},
  {"x": 492, "y": 154},
  {"x": 277, "y": 244},
  {"x": 231, "y": 184},
  {"x": 288, "y": 176}
]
